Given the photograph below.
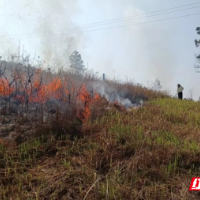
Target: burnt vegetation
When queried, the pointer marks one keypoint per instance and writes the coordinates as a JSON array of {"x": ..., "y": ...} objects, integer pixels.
[{"x": 69, "y": 135}]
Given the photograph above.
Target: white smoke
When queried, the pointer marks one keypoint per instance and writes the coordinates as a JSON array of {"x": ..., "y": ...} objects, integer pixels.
[{"x": 113, "y": 93}]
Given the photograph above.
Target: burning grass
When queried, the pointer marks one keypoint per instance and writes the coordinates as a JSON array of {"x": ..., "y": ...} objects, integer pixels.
[
  {"x": 147, "y": 153},
  {"x": 72, "y": 137}
]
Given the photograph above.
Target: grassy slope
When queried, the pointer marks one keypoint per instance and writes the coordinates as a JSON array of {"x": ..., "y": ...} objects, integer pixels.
[{"x": 147, "y": 153}]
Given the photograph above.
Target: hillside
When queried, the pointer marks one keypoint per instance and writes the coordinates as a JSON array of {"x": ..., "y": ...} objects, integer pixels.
[{"x": 149, "y": 152}]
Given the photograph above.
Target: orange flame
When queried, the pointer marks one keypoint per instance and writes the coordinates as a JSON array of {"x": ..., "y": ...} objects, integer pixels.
[
  {"x": 87, "y": 100},
  {"x": 37, "y": 91},
  {"x": 5, "y": 88}
]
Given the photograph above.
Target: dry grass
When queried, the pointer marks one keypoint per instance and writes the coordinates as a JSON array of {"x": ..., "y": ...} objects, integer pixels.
[{"x": 147, "y": 153}]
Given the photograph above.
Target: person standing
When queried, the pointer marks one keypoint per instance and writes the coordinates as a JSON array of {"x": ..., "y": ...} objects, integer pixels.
[{"x": 180, "y": 91}]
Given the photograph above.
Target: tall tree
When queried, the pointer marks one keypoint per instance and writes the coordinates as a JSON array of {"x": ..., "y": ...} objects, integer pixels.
[
  {"x": 197, "y": 43},
  {"x": 76, "y": 61}
]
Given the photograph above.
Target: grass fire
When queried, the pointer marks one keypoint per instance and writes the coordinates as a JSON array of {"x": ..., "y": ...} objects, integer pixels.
[
  {"x": 71, "y": 135},
  {"x": 99, "y": 100}
]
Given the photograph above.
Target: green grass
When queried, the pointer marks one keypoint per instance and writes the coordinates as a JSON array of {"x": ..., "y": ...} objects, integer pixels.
[{"x": 148, "y": 153}]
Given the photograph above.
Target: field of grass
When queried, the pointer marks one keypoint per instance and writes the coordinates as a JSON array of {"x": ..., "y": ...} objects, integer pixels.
[{"x": 147, "y": 153}]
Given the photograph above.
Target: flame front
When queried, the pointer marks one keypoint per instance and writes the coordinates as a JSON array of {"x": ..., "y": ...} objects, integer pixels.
[{"x": 36, "y": 91}]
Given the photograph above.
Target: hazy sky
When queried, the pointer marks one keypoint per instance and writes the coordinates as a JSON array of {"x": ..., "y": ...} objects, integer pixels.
[{"x": 138, "y": 40}]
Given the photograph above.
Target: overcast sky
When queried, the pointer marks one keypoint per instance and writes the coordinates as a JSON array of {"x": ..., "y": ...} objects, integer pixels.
[{"x": 138, "y": 40}]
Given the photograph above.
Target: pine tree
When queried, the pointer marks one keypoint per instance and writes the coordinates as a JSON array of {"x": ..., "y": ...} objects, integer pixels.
[
  {"x": 157, "y": 85},
  {"x": 76, "y": 62}
]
